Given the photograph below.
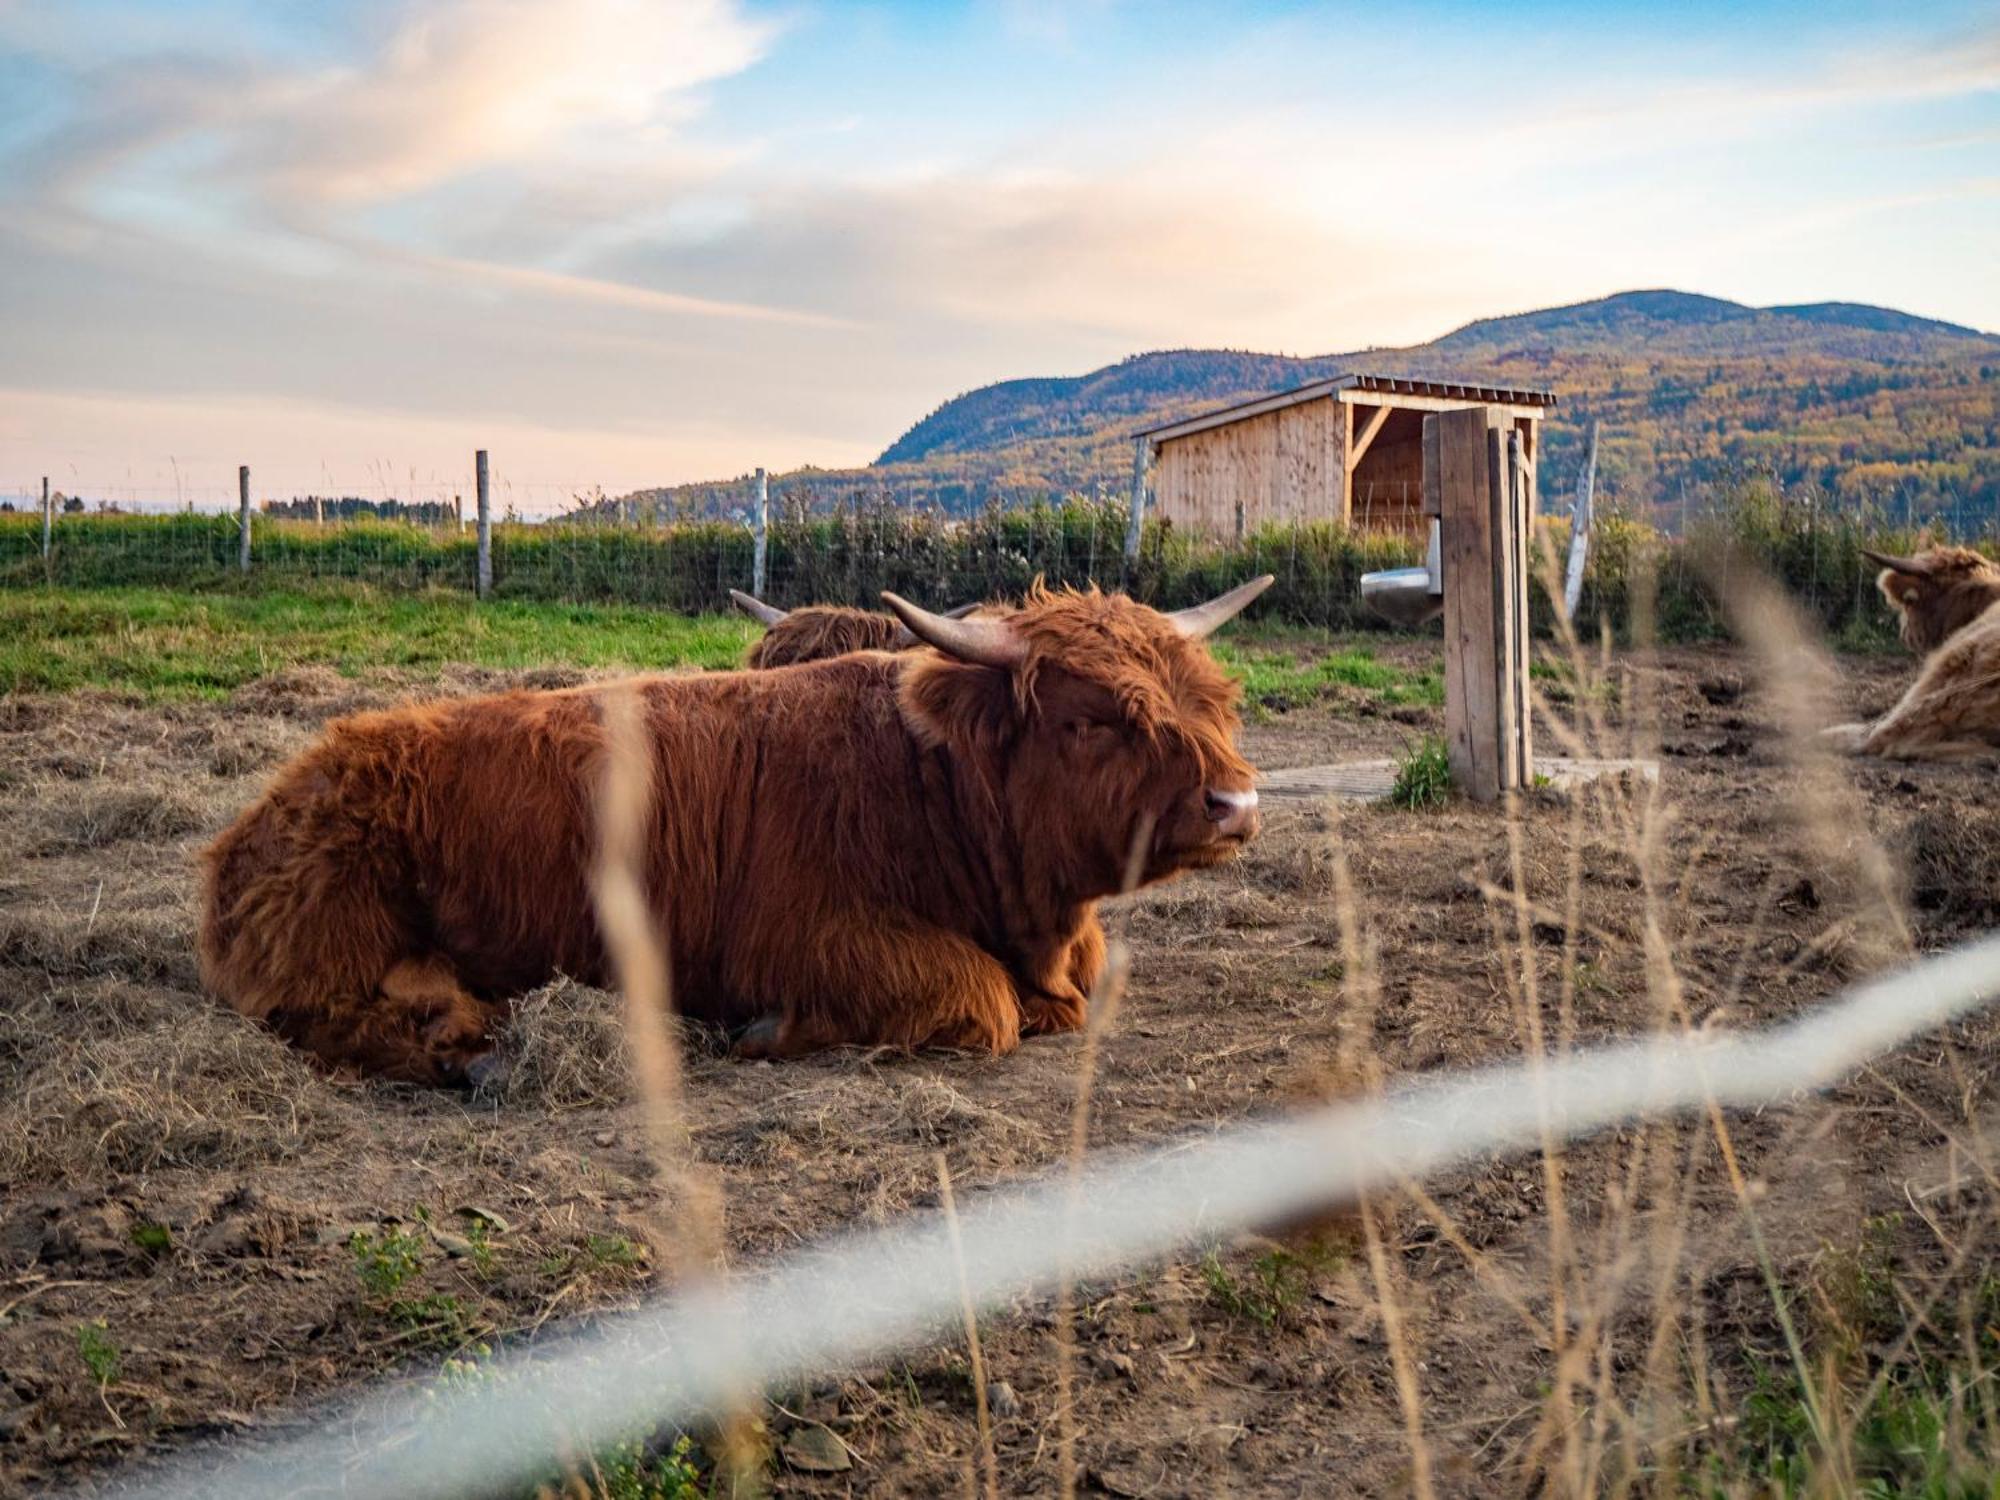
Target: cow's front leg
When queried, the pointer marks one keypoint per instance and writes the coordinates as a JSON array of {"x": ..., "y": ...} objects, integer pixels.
[
  {"x": 883, "y": 980},
  {"x": 1060, "y": 999}
]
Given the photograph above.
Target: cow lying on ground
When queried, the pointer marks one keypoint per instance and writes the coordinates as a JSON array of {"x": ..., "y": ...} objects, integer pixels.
[
  {"x": 891, "y": 849},
  {"x": 817, "y": 631},
  {"x": 1947, "y": 598}
]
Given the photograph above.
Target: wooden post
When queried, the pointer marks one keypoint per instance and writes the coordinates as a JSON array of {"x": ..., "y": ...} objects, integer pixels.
[
  {"x": 243, "y": 517},
  {"x": 458, "y": 512},
  {"x": 759, "y": 530},
  {"x": 319, "y": 511},
  {"x": 1476, "y": 480},
  {"x": 48, "y": 520},
  {"x": 1142, "y": 457},
  {"x": 485, "y": 524}
]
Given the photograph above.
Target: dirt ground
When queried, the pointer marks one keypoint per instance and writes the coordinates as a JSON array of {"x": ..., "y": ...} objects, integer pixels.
[{"x": 180, "y": 1197}]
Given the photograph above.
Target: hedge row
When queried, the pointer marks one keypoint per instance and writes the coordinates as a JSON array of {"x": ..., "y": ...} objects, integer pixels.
[{"x": 852, "y": 557}]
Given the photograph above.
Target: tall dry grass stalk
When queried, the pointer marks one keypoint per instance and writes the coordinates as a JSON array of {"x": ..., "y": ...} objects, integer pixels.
[
  {"x": 691, "y": 1235},
  {"x": 1105, "y": 997},
  {"x": 988, "y": 1461},
  {"x": 689, "y": 1227}
]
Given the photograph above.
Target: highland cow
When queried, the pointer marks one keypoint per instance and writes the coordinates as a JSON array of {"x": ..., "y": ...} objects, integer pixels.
[
  {"x": 817, "y": 631},
  {"x": 890, "y": 849},
  {"x": 1946, "y": 598}
]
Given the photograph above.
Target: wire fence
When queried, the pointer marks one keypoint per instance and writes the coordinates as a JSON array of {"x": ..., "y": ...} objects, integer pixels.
[
  {"x": 850, "y": 554},
  {"x": 862, "y": 1295}
]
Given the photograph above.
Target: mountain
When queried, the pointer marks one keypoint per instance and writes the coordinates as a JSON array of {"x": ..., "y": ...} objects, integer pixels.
[{"x": 1866, "y": 402}]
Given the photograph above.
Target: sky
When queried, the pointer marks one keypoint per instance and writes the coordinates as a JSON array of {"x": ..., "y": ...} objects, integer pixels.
[{"x": 632, "y": 242}]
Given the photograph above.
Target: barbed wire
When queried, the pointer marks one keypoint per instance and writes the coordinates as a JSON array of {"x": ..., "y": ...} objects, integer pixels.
[{"x": 861, "y": 1295}]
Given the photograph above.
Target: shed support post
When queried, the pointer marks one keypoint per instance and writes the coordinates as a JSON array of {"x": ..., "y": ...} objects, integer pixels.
[
  {"x": 243, "y": 517},
  {"x": 760, "y": 534},
  {"x": 485, "y": 491},
  {"x": 1477, "y": 481},
  {"x": 1142, "y": 458}
]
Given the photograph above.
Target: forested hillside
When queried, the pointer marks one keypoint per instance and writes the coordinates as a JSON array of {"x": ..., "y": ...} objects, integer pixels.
[{"x": 1867, "y": 403}]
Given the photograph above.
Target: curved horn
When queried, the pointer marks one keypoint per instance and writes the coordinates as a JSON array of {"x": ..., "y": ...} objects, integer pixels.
[
  {"x": 1916, "y": 567},
  {"x": 1203, "y": 620},
  {"x": 906, "y": 638},
  {"x": 751, "y": 605},
  {"x": 989, "y": 643}
]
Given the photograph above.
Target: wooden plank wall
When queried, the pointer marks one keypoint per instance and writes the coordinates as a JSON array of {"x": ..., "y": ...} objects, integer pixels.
[{"x": 1282, "y": 466}]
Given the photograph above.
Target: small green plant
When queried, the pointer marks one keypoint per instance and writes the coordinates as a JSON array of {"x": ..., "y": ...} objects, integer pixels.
[
  {"x": 385, "y": 1261},
  {"x": 154, "y": 1239},
  {"x": 99, "y": 1351},
  {"x": 479, "y": 1235},
  {"x": 1423, "y": 775},
  {"x": 629, "y": 1471},
  {"x": 1274, "y": 1283},
  {"x": 612, "y": 1250}
]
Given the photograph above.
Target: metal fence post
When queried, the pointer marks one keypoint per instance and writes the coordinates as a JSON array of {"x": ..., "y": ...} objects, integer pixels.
[
  {"x": 759, "y": 530},
  {"x": 243, "y": 517},
  {"x": 1142, "y": 454},
  {"x": 485, "y": 580},
  {"x": 48, "y": 520}
]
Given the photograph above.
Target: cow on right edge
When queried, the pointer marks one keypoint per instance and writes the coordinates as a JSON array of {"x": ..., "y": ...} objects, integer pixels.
[{"x": 1947, "y": 599}]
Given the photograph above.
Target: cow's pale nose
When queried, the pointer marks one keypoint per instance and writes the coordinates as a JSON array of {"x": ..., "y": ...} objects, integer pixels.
[{"x": 1232, "y": 813}]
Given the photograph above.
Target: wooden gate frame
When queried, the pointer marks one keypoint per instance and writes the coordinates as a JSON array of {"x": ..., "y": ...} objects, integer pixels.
[{"x": 1479, "y": 485}]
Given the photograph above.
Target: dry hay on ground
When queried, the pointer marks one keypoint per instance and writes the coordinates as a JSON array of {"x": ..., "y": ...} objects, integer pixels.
[{"x": 220, "y": 1206}]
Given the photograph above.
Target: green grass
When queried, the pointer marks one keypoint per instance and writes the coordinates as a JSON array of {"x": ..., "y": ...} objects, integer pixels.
[
  {"x": 1278, "y": 681},
  {"x": 163, "y": 644},
  {"x": 1423, "y": 775}
]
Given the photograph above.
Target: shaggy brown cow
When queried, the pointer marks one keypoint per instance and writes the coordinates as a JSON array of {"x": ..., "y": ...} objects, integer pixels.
[
  {"x": 818, "y": 631},
  {"x": 895, "y": 849},
  {"x": 1947, "y": 598}
]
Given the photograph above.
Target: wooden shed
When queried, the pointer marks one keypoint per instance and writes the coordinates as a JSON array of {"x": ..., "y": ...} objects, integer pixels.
[{"x": 1347, "y": 449}]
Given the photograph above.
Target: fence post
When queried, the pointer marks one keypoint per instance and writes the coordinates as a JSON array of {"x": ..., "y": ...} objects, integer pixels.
[
  {"x": 243, "y": 517},
  {"x": 485, "y": 524},
  {"x": 759, "y": 532},
  {"x": 48, "y": 520},
  {"x": 1142, "y": 455}
]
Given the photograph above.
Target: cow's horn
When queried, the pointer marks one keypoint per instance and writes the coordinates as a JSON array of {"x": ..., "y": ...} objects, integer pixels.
[
  {"x": 906, "y": 638},
  {"x": 990, "y": 643},
  {"x": 1203, "y": 620},
  {"x": 750, "y": 604},
  {"x": 1914, "y": 566}
]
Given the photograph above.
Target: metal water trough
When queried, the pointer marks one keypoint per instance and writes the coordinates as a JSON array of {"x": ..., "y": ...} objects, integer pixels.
[{"x": 1408, "y": 596}]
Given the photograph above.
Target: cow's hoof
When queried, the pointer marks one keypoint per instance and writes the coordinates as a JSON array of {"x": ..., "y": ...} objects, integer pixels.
[
  {"x": 488, "y": 1073},
  {"x": 759, "y": 1039},
  {"x": 1844, "y": 739}
]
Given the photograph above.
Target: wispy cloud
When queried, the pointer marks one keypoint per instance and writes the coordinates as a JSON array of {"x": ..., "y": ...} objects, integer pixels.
[{"x": 669, "y": 225}]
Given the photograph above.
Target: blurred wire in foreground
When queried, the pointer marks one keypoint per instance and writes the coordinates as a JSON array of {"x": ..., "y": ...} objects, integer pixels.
[{"x": 859, "y": 1295}]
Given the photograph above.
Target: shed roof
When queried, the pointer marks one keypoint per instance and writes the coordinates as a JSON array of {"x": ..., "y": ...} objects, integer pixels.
[{"x": 1387, "y": 386}]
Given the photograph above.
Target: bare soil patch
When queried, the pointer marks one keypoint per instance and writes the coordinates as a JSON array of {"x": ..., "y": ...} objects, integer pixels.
[{"x": 184, "y": 1181}]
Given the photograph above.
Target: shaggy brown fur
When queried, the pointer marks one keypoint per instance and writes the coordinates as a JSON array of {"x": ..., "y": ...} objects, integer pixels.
[
  {"x": 814, "y": 632},
  {"x": 894, "y": 849},
  {"x": 819, "y": 631},
  {"x": 1947, "y": 599}
]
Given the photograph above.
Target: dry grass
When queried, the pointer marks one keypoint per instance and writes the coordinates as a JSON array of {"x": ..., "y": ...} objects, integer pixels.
[
  {"x": 1610, "y": 1318},
  {"x": 566, "y": 1047}
]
